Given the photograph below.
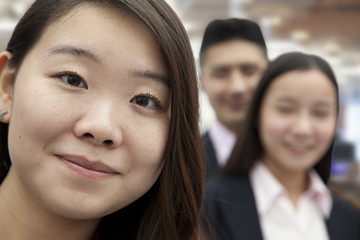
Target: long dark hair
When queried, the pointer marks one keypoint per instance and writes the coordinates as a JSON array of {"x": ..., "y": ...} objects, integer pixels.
[
  {"x": 248, "y": 148},
  {"x": 171, "y": 208}
]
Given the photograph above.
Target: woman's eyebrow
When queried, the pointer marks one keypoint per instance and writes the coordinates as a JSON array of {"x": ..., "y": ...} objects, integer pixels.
[
  {"x": 284, "y": 99},
  {"x": 74, "y": 51},
  {"x": 84, "y": 53},
  {"x": 319, "y": 103},
  {"x": 151, "y": 75}
]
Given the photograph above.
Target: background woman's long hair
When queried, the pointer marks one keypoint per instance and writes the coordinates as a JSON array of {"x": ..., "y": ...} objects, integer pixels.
[
  {"x": 248, "y": 148},
  {"x": 171, "y": 208}
]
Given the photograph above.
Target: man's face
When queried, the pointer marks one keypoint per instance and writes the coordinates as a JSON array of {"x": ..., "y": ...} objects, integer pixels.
[{"x": 230, "y": 72}]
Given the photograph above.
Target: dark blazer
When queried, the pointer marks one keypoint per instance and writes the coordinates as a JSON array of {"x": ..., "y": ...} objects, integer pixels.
[
  {"x": 231, "y": 211},
  {"x": 209, "y": 156}
]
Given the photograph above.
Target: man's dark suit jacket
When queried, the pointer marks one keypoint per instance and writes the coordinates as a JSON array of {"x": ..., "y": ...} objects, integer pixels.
[
  {"x": 209, "y": 156},
  {"x": 231, "y": 210}
]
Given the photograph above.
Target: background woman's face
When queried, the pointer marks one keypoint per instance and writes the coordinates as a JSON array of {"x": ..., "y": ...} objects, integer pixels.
[
  {"x": 298, "y": 119},
  {"x": 90, "y": 114}
]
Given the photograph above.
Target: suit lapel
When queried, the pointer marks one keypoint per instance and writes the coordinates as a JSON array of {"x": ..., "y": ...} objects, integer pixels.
[
  {"x": 210, "y": 159},
  {"x": 338, "y": 225},
  {"x": 241, "y": 211}
]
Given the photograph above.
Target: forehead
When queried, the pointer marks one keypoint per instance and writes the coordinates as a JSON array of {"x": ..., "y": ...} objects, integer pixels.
[
  {"x": 303, "y": 84},
  {"x": 110, "y": 33},
  {"x": 234, "y": 52}
]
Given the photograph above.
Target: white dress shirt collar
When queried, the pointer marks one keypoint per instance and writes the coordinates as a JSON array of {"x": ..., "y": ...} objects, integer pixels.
[
  {"x": 279, "y": 218},
  {"x": 223, "y": 140},
  {"x": 268, "y": 189}
]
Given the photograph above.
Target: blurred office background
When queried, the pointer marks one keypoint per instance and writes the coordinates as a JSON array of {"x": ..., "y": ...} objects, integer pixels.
[{"x": 328, "y": 28}]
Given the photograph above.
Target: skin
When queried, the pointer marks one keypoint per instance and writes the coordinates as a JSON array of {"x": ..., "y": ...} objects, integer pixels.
[
  {"x": 88, "y": 124},
  {"x": 230, "y": 72},
  {"x": 297, "y": 126}
]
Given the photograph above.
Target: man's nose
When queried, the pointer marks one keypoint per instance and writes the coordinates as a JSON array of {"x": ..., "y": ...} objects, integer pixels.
[{"x": 237, "y": 82}]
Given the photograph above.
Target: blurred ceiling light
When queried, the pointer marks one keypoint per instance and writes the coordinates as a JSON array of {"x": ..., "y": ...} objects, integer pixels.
[
  {"x": 237, "y": 9},
  {"x": 300, "y": 36},
  {"x": 269, "y": 23},
  {"x": 273, "y": 9},
  {"x": 351, "y": 59},
  {"x": 333, "y": 48},
  {"x": 273, "y": 20},
  {"x": 242, "y": 1}
]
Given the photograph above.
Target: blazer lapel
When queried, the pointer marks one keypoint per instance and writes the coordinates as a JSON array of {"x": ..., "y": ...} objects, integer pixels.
[
  {"x": 241, "y": 210},
  {"x": 210, "y": 160},
  {"x": 343, "y": 222}
]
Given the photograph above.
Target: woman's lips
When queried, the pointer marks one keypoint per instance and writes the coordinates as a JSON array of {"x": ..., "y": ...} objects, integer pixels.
[
  {"x": 93, "y": 170},
  {"x": 299, "y": 149}
]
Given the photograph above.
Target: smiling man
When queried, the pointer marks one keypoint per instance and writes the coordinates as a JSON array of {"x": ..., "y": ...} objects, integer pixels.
[{"x": 232, "y": 58}]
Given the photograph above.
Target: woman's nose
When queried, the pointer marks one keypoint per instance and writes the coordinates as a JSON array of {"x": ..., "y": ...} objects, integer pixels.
[
  {"x": 303, "y": 125},
  {"x": 100, "y": 126}
]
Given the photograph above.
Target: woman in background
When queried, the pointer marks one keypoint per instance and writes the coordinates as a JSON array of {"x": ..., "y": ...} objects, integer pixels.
[
  {"x": 274, "y": 185},
  {"x": 99, "y": 124}
]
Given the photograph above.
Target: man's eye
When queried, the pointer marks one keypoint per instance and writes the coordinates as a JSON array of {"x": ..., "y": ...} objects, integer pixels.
[
  {"x": 147, "y": 101},
  {"x": 220, "y": 71},
  {"x": 72, "y": 79},
  {"x": 249, "y": 70}
]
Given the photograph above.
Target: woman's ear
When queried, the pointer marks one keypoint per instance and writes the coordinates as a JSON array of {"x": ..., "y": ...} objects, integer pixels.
[{"x": 7, "y": 79}]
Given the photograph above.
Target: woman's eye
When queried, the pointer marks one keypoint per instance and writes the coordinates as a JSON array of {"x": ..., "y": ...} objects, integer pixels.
[
  {"x": 321, "y": 113},
  {"x": 147, "y": 101},
  {"x": 219, "y": 74},
  {"x": 285, "y": 110},
  {"x": 72, "y": 79}
]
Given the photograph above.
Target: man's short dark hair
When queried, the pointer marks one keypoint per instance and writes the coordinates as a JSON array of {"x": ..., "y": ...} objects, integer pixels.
[{"x": 221, "y": 30}]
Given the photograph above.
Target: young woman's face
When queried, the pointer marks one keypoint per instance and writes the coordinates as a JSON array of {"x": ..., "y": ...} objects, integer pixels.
[
  {"x": 90, "y": 114},
  {"x": 298, "y": 120}
]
